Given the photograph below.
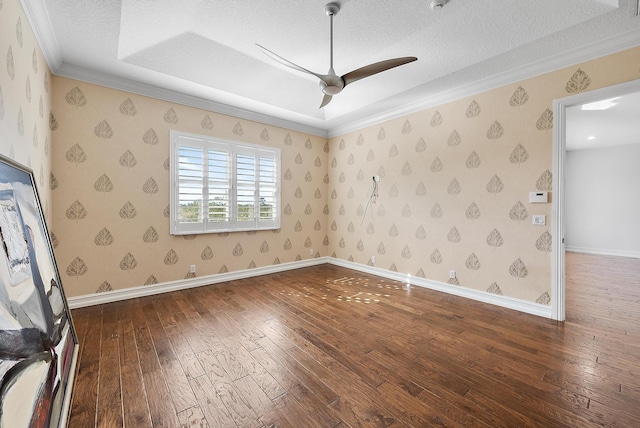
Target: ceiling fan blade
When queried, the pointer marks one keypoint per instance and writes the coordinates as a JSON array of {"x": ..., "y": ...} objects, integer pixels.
[
  {"x": 287, "y": 63},
  {"x": 375, "y": 68},
  {"x": 325, "y": 100},
  {"x": 330, "y": 83}
]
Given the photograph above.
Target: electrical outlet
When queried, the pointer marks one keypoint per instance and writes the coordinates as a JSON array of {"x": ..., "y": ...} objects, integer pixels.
[
  {"x": 192, "y": 269},
  {"x": 452, "y": 274},
  {"x": 373, "y": 259},
  {"x": 376, "y": 178},
  {"x": 311, "y": 251}
]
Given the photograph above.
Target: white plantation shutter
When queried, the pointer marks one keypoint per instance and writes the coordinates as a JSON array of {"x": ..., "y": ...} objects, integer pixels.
[
  {"x": 221, "y": 186},
  {"x": 191, "y": 174},
  {"x": 245, "y": 186},
  {"x": 268, "y": 196},
  {"x": 190, "y": 198}
]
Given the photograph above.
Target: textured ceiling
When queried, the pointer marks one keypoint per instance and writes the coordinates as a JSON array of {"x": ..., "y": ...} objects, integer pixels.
[{"x": 207, "y": 49}]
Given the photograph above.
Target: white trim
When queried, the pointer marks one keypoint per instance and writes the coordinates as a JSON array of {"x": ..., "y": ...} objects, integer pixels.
[
  {"x": 557, "y": 212},
  {"x": 149, "y": 290},
  {"x": 557, "y": 209},
  {"x": 604, "y": 252},
  {"x": 38, "y": 17},
  {"x": 601, "y": 48},
  {"x": 481, "y": 296},
  {"x": 147, "y": 90},
  {"x": 183, "y": 284},
  {"x": 232, "y": 186},
  {"x": 627, "y": 40}
]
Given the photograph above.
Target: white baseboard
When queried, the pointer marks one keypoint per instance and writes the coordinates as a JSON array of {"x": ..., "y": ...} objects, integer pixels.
[
  {"x": 165, "y": 287},
  {"x": 482, "y": 296},
  {"x": 183, "y": 284},
  {"x": 603, "y": 252}
]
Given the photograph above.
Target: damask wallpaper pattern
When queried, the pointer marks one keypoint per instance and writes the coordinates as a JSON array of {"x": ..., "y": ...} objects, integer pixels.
[
  {"x": 454, "y": 185},
  {"x": 452, "y": 195},
  {"x": 110, "y": 181},
  {"x": 25, "y": 98}
]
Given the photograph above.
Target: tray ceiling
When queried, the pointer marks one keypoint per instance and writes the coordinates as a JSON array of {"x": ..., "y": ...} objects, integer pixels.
[{"x": 206, "y": 49}]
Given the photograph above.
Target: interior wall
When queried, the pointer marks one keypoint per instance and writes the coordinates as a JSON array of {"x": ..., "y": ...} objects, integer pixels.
[
  {"x": 25, "y": 99},
  {"x": 455, "y": 181},
  {"x": 602, "y": 205},
  {"x": 111, "y": 186},
  {"x": 453, "y": 189}
]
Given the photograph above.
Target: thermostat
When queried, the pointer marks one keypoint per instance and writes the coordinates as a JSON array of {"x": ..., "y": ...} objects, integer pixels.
[{"x": 539, "y": 197}]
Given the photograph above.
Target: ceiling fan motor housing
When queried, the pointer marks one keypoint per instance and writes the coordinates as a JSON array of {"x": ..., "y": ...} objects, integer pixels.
[{"x": 332, "y": 84}]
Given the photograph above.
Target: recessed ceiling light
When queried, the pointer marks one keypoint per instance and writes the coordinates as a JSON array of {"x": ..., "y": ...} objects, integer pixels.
[
  {"x": 601, "y": 105},
  {"x": 591, "y": 137}
]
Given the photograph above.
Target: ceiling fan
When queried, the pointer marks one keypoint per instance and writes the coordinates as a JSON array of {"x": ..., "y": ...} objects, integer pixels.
[{"x": 330, "y": 83}]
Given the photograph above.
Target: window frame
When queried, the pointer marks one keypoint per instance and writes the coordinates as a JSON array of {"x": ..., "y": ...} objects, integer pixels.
[{"x": 233, "y": 149}]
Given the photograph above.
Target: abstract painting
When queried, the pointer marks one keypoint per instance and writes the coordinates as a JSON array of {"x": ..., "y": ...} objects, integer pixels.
[{"x": 38, "y": 344}]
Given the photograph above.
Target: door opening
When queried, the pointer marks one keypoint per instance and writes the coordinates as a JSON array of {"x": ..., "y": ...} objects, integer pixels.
[{"x": 559, "y": 200}]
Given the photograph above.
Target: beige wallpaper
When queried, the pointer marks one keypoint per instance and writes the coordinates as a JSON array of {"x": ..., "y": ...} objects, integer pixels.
[
  {"x": 453, "y": 192},
  {"x": 454, "y": 185},
  {"x": 25, "y": 98},
  {"x": 110, "y": 182}
]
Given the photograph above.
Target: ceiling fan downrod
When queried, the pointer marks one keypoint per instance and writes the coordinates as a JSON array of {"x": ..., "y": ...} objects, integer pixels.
[
  {"x": 333, "y": 84},
  {"x": 331, "y": 9}
]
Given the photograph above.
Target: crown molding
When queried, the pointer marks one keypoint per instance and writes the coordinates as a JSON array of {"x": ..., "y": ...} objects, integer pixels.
[
  {"x": 38, "y": 17},
  {"x": 123, "y": 84},
  {"x": 621, "y": 42}
]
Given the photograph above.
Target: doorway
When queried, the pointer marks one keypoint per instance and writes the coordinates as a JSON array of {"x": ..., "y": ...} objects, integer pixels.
[{"x": 561, "y": 109}]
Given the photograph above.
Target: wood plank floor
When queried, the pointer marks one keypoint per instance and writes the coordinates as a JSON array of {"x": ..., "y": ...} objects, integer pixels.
[{"x": 331, "y": 347}]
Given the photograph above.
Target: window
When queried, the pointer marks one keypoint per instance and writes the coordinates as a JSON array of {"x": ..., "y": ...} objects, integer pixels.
[{"x": 222, "y": 186}]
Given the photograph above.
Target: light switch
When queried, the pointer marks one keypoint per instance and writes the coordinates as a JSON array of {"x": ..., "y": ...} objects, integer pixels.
[{"x": 539, "y": 220}]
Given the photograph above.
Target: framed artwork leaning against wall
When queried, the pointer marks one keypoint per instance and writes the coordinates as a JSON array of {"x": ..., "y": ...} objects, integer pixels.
[{"x": 38, "y": 343}]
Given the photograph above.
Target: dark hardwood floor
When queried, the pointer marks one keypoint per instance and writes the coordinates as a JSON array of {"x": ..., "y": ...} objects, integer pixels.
[{"x": 331, "y": 347}]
